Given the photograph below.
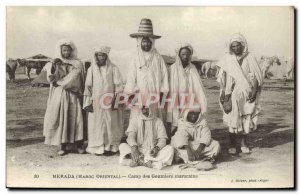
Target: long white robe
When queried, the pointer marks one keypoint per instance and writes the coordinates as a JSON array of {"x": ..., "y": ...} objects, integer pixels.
[
  {"x": 244, "y": 115},
  {"x": 184, "y": 82},
  {"x": 63, "y": 122},
  {"x": 105, "y": 126},
  {"x": 148, "y": 75}
]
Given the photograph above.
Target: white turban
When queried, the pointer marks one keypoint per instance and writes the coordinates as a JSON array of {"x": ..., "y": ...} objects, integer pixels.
[
  {"x": 103, "y": 49},
  {"x": 238, "y": 37},
  {"x": 65, "y": 42}
]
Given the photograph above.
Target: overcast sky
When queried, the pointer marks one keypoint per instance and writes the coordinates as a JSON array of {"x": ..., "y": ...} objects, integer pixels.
[{"x": 34, "y": 30}]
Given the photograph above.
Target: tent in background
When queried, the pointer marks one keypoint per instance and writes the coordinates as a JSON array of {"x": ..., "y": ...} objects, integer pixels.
[
  {"x": 39, "y": 57},
  {"x": 41, "y": 79}
]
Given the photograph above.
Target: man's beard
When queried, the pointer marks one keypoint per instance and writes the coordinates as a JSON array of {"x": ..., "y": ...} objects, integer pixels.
[
  {"x": 66, "y": 56},
  {"x": 102, "y": 63},
  {"x": 146, "y": 49}
]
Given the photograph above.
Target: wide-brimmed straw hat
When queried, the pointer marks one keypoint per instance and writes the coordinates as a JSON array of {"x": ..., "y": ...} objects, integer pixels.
[{"x": 145, "y": 30}]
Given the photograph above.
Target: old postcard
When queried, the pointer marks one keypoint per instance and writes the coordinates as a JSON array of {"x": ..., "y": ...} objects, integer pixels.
[{"x": 150, "y": 97}]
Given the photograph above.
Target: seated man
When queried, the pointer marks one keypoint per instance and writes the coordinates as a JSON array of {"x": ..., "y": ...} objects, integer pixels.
[
  {"x": 192, "y": 141},
  {"x": 146, "y": 142}
]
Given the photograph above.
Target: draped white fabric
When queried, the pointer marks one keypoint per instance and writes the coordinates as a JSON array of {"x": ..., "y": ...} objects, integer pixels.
[
  {"x": 105, "y": 126},
  {"x": 185, "y": 82},
  {"x": 63, "y": 121}
]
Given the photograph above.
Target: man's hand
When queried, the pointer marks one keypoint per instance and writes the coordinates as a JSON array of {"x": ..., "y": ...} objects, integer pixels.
[
  {"x": 54, "y": 65},
  {"x": 135, "y": 153},
  {"x": 227, "y": 97},
  {"x": 53, "y": 68},
  {"x": 252, "y": 95},
  {"x": 154, "y": 151},
  {"x": 89, "y": 108},
  {"x": 222, "y": 97},
  {"x": 190, "y": 152},
  {"x": 227, "y": 104},
  {"x": 199, "y": 151},
  {"x": 54, "y": 84}
]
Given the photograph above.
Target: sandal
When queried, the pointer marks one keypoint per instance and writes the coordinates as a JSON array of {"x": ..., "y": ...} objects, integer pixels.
[
  {"x": 148, "y": 164},
  {"x": 232, "y": 151},
  {"x": 98, "y": 152},
  {"x": 62, "y": 152},
  {"x": 114, "y": 148},
  {"x": 245, "y": 150},
  {"x": 81, "y": 151},
  {"x": 133, "y": 164}
]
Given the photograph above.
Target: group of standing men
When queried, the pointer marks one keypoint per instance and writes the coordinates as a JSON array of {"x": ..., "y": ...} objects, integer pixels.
[{"x": 157, "y": 135}]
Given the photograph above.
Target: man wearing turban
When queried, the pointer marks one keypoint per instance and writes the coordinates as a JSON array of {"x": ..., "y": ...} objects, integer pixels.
[
  {"x": 105, "y": 123},
  {"x": 240, "y": 78},
  {"x": 147, "y": 76},
  {"x": 63, "y": 122}
]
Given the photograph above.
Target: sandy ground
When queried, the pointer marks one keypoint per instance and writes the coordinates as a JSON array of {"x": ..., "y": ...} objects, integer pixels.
[{"x": 30, "y": 163}]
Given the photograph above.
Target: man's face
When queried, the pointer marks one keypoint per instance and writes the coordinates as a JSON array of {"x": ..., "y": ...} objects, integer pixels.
[
  {"x": 185, "y": 55},
  {"x": 145, "y": 111},
  {"x": 66, "y": 51},
  {"x": 101, "y": 58},
  {"x": 192, "y": 117},
  {"x": 146, "y": 44},
  {"x": 237, "y": 48}
]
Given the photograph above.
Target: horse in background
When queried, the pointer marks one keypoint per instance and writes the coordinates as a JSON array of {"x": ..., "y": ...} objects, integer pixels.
[
  {"x": 267, "y": 62},
  {"x": 32, "y": 64},
  {"x": 11, "y": 66},
  {"x": 210, "y": 69},
  {"x": 290, "y": 66}
]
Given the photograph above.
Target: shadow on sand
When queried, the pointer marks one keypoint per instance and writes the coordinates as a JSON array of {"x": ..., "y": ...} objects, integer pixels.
[
  {"x": 13, "y": 143},
  {"x": 23, "y": 132},
  {"x": 264, "y": 137}
]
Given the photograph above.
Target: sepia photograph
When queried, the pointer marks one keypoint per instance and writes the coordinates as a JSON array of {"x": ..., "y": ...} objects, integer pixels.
[{"x": 137, "y": 97}]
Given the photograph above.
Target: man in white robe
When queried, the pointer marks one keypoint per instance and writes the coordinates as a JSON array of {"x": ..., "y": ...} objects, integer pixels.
[
  {"x": 63, "y": 122},
  {"x": 146, "y": 142},
  {"x": 240, "y": 78},
  {"x": 105, "y": 123},
  {"x": 186, "y": 88},
  {"x": 192, "y": 140},
  {"x": 147, "y": 75}
]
